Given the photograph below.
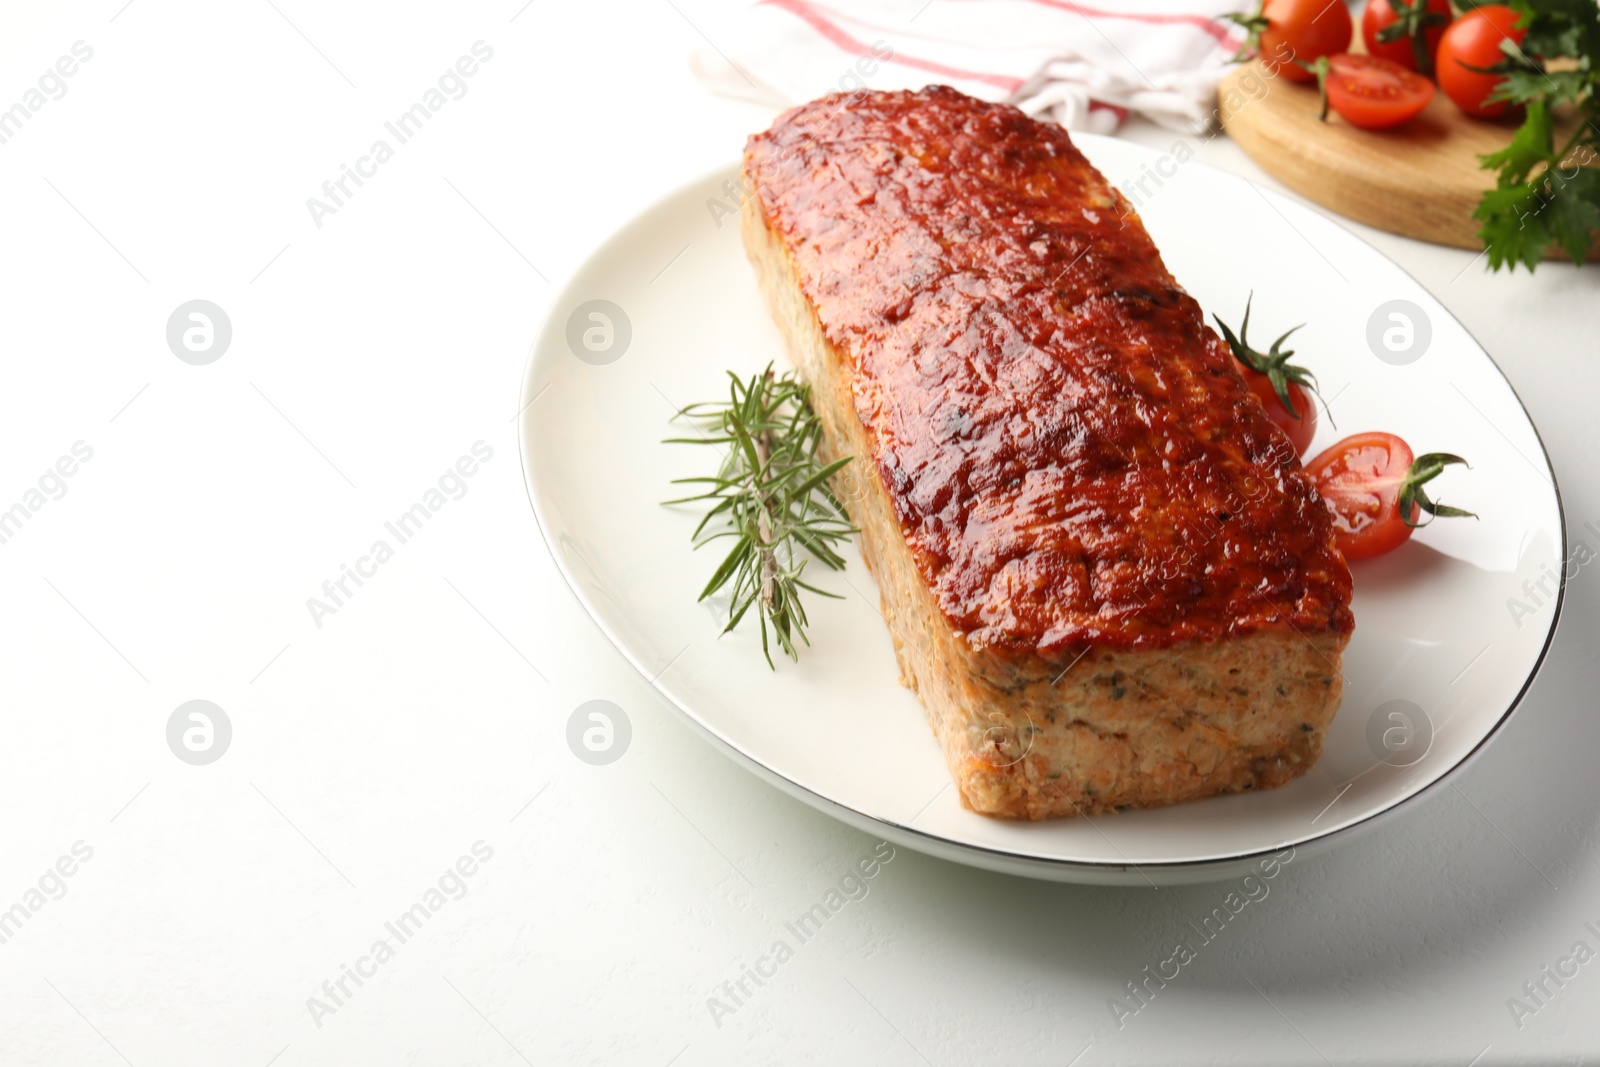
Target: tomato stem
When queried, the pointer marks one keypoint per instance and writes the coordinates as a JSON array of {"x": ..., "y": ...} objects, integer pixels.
[
  {"x": 1320, "y": 68},
  {"x": 1274, "y": 363},
  {"x": 1253, "y": 25},
  {"x": 1413, "y": 21},
  {"x": 1414, "y": 498}
]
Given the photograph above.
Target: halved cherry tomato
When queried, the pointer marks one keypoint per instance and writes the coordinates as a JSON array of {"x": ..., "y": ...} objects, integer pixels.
[
  {"x": 1360, "y": 479},
  {"x": 1473, "y": 40},
  {"x": 1420, "y": 25},
  {"x": 1366, "y": 480},
  {"x": 1300, "y": 430},
  {"x": 1283, "y": 32},
  {"x": 1373, "y": 93}
]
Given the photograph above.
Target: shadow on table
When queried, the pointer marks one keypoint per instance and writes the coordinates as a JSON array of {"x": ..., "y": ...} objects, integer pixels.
[{"x": 1482, "y": 859}]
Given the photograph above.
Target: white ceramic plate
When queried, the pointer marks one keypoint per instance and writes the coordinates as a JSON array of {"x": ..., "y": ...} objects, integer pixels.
[{"x": 1442, "y": 652}]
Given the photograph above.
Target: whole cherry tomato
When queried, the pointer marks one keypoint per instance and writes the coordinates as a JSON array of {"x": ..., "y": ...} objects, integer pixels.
[
  {"x": 1301, "y": 423},
  {"x": 1474, "y": 40},
  {"x": 1406, "y": 32},
  {"x": 1287, "y": 32},
  {"x": 1284, "y": 389}
]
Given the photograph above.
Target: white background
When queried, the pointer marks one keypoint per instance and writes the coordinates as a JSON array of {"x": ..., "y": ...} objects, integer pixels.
[{"x": 425, "y": 715}]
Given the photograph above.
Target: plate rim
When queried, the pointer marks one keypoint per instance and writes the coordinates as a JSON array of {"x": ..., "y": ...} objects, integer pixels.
[{"x": 1003, "y": 859}]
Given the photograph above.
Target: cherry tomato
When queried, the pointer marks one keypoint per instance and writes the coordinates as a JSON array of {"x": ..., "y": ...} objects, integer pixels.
[
  {"x": 1300, "y": 430},
  {"x": 1473, "y": 40},
  {"x": 1373, "y": 93},
  {"x": 1425, "y": 17},
  {"x": 1360, "y": 478},
  {"x": 1265, "y": 371},
  {"x": 1284, "y": 31}
]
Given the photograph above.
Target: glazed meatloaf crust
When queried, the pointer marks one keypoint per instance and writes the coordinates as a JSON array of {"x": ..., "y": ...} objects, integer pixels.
[{"x": 1104, "y": 572}]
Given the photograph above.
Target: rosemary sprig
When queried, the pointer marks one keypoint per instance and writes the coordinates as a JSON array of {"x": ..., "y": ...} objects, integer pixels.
[{"x": 772, "y": 496}]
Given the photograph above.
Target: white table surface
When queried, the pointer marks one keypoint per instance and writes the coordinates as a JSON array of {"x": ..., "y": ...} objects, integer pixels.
[{"x": 429, "y": 712}]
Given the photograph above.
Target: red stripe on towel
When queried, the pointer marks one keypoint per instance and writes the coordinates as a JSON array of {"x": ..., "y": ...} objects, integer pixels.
[
  {"x": 1223, "y": 34},
  {"x": 806, "y": 12}
]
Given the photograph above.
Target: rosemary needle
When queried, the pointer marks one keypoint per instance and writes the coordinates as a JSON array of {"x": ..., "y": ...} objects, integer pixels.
[{"x": 771, "y": 496}]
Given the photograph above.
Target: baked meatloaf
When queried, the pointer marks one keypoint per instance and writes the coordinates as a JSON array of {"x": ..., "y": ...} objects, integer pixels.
[{"x": 1105, "y": 574}]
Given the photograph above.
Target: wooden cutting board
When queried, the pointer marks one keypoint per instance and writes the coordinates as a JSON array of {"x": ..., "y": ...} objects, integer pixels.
[{"x": 1420, "y": 179}]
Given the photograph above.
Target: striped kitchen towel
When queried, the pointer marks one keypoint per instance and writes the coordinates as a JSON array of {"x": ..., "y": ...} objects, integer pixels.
[{"x": 1084, "y": 66}]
